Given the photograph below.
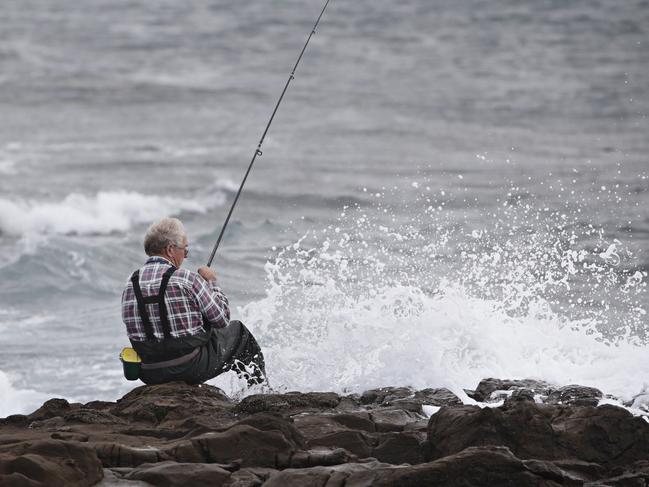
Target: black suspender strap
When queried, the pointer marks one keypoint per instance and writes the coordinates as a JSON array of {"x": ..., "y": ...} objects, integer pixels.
[
  {"x": 158, "y": 299},
  {"x": 141, "y": 306},
  {"x": 164, "y": 318}
]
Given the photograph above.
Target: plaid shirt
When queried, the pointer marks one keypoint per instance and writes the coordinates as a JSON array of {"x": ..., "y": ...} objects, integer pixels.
[{"x": 189, "y": 298}]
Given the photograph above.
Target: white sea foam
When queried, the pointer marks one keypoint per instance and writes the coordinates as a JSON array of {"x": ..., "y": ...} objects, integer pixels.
[
  {"x": 430, "y": 410},
  {"x": 346, "y": 314},
  {"x": 18, "y": 401},
  {"x": 401, "y": 336},
  {"x": 102, "y": 213}
]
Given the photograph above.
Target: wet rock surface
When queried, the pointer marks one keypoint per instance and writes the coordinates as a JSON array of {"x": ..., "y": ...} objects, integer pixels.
[{"x": 524, "y": 433}]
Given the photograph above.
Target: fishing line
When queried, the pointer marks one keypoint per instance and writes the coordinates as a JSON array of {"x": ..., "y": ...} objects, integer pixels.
[{"x": 258, "y": 151}]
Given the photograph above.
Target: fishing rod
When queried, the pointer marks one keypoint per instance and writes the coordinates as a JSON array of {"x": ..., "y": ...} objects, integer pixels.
[{"x": 258, "y": 151}]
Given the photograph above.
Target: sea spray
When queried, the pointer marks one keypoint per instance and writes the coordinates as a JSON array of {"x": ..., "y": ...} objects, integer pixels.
[
  {"x": 103, "y": 213},
  {"x": 537, "y": 294}
]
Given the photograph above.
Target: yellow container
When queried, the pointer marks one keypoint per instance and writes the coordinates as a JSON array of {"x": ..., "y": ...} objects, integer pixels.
[{"x": 131, "y": 362}]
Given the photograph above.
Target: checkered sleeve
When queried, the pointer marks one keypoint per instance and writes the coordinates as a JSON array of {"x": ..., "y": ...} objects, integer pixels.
[
  {"x": 211, "y": 301},
  {"x": 129, "y": 309}
]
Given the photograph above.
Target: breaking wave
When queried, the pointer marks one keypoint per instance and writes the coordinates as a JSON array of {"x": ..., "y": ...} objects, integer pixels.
[
  {"x": 103, "y": 213},
  {"x": 427, "y": 307},
  {"x": 403, "y": 336}
]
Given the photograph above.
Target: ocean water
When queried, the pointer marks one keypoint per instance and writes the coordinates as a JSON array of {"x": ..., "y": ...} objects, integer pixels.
[{"x": 450, "y": 191}]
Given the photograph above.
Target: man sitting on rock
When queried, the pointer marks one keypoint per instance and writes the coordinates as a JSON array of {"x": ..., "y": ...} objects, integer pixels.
[{"x": 178, "y": 321}]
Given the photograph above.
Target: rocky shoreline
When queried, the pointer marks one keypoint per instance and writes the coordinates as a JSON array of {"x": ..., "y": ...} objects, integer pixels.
[{"x": 523, "y": 433}]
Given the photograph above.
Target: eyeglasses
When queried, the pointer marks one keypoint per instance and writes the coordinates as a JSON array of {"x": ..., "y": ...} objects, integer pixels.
[{"x": 185, "y": 248}]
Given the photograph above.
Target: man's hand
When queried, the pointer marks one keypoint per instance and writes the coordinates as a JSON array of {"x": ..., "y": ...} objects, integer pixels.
[{"x": 207, "y": 273}]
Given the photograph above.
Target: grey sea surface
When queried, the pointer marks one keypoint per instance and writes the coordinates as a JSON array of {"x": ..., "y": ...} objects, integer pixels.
[{"x": 498, "y": 149}]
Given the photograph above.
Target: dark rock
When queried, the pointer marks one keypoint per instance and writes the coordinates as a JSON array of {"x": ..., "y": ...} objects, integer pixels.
[
  {"x": 174, "y": 401},
  {"x": 178, "y": 434},
  {"x": 521, "y": 395},
  {"x": 15, "y": 420},
  {"x": 392, "y": 419},
  {"x": 190, "y": 427},
  {"x": 631, "y": 479},
  {"x": 49, "y": 463},
  {"x": 575, "y": 395},
  {"x": 273, "y": 422},
  {"x": 356, "y": 442},
  {"x": 410, "y": 404},
  {"x": 475, "y": 467},
  {"x": 399, "y": 448},
  {"x": 321, "y": 457},
  {"x": 250, "y": 446},
  {"x": 69, "y": 436},
  {"x": 50, "y": 409},
  {"x": 492, "y": 466},
  {"x": 258, "y": 403},
  {"x": 250, "y": 477},
  {"x": 92, "y": 416},
  {"x": 292, "y": 402},
  {"x": 419, "y": 425},
  {"x": 100, "y": 405},
  {"x": 160, "y": 433},
  {"x": 57, "y": 422},
  {"x": 488, "y": 386},
  {"x": 451, "y": 430},
  {"x": 172, "y": 474},
  {"x": 336, "y": 476},
  {"x": 603, "y": 435},
  {"x": 548, "y": 470},
  {"x": 318, "y": 425},
  {"x": 113, "y": 479},
  {"x": 356, "y": 421},
  {"x": 582, "y": 470},
  {"x": 438, "y": 397},
  {"x": 414, "y": 402},
  {"x": 407, "y": 399},
  {"x": 351, "y": 403},
  {"x": 116, "y": 455},
  {"x": 13, "y": 439},
  {"x": 385, "y": 394}
]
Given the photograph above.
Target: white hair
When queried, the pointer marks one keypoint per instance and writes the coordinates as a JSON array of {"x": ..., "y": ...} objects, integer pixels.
[{"x": 162, "y": 233}]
